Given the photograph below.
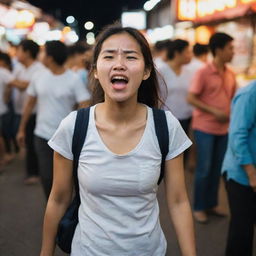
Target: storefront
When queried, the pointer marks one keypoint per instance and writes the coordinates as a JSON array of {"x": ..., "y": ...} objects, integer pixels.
[{"x": 235, "y": 17}]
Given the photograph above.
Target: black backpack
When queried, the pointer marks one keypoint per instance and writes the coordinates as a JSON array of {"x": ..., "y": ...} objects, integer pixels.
[{"x": 69, "y": 221}]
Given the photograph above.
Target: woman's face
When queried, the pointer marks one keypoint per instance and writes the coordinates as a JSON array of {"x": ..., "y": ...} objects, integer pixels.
[{"x": 120, "y": 67}]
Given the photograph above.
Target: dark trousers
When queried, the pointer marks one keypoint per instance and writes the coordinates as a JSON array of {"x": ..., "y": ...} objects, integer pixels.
[
  {"x": 9, "y": 131},
  {"x": 210, "y": 150},
  {"x": 185, "y": 124},
  {"x": 242, "y": 204},
  {"x": 31, "y": 159},
  {"x": 45, "y": 159},
  {"x": 31, "y": 155}
]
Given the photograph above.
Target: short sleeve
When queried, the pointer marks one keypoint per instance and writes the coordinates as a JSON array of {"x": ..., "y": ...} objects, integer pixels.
[
  {"x": 31, "y": 90},
  {"x": 61, "y": 141},
  {"x": 81, "y": 93},
  {"x": 197, "y": 82},
  {"x": 178, "y": 140}
]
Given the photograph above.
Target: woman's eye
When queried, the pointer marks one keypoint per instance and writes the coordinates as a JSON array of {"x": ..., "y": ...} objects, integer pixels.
[
  {"x": 108, "y": 57},
  {"x": 131, "y": 58}
]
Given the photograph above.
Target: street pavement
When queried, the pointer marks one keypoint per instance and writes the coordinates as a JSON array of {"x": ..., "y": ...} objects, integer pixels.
[{"x": 22, "y": 209}]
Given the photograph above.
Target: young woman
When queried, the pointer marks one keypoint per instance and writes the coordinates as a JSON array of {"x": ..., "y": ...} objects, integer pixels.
[{"x": 120, "y": 161}]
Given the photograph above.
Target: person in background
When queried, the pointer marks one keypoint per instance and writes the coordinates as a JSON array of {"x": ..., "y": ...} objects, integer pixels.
[
  {"x": 160, "y": 50},
  {"x": 27, "y": 53},
  {"x": 239, "y": 169},
  {"x": 5, "y": 78},
  {"x": 200, "y": 52},
  {"x": 211, "y": 92},
  {"x": 120, "y": 160},
  {"x": 78, "y": 61},
  {"x": 56, "y": 91},
  {"x": 177, "y": 79}
]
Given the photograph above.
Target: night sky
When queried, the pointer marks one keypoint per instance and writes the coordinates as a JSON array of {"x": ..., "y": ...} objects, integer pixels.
[{"x": 101, "y": 12}]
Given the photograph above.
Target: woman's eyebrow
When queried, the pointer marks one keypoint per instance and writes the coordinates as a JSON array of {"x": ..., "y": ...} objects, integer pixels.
[{"x": 115, "y": 51}]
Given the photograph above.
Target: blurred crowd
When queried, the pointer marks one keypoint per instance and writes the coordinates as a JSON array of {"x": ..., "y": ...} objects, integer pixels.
[{"x": 39, "y": 86}]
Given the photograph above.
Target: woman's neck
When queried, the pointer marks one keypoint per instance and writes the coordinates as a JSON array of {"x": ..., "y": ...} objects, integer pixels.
[{"x": 119, "y": 113}]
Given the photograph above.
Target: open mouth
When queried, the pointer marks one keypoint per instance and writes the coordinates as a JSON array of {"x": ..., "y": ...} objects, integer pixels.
[
  {"x": 119, "y": 79},
  {"x": 119, "y": 82}
]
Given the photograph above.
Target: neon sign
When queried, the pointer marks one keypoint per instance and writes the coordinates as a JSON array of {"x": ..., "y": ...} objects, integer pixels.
[
  {"x": 192, "y": 9},
  {"x": 208, "y": 7}
]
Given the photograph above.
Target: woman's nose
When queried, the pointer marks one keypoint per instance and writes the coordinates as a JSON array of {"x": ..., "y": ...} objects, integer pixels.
[{"x": 119, "y": 63}]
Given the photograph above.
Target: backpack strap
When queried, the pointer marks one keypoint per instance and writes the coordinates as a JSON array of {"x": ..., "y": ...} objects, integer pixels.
[
  {"x": 162, "y": 134},
  {"x": 80, "y": 131}
]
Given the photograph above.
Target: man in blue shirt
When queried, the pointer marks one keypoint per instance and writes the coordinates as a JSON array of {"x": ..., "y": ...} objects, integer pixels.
[{"x": 239, "y": 168}]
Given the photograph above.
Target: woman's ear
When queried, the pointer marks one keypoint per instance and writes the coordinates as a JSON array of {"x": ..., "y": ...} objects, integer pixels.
[
  {"x": 95, "y": 74},
  {"x": 146, "y": 74}
]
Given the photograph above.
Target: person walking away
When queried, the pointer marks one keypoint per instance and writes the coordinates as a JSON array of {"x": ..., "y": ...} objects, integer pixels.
[
  {"x": 56, "y": 91},
  {"x": 5, "y": 79},
  {"x": 177, "y": 80},
  {"x": 211, "y": 92},
  {"x": 27, "y": 53},
  {"x": 120, "y": 160},
  {"x": 239, "y": 169}
]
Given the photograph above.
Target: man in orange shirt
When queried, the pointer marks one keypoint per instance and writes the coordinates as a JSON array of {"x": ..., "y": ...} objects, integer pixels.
[{"x": 211, "y": 92}]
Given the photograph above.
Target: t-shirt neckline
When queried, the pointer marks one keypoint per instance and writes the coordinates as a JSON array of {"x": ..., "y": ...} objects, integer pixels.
[{"x": 131, "y": 152}]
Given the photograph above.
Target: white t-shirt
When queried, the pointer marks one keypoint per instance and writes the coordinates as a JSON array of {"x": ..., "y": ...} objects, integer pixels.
[
  {"x": 119, "y": 212},
  {"x": 177, "y": 90},
  {"x": 56, "y": 98},
  {"x": 25, "y": 74},
  {"x": 5, "y": 78}
]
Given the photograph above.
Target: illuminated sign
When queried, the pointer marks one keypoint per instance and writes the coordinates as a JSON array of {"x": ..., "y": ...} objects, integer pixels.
[
  {"x": 186, "y": 9},
  {"x": 193, "y": 9},
  {"x": 208, "y": 7}
]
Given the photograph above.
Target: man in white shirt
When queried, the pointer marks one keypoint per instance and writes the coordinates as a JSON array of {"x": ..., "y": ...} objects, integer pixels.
[
  {"x": 5, "y": 78},
  {"x": 56, "y": 92},
  {"x": 27, "y": 53}
]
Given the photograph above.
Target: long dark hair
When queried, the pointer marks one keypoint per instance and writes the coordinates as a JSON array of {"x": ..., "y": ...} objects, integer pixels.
[{"x": 148, "y": 92}]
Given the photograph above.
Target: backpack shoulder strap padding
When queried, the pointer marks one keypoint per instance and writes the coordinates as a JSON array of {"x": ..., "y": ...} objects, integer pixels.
[{"x": 162, "y": 134}]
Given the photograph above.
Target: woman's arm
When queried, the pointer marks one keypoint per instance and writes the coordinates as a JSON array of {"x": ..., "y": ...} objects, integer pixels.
[
  {"x": 179, "y": 206},
  {"x": 58, "y": 202}
]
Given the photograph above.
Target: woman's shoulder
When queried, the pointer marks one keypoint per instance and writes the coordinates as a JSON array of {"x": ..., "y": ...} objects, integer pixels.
[
  {"x": 172, "y": 121},
  {"x": 69, "y": 121}
]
